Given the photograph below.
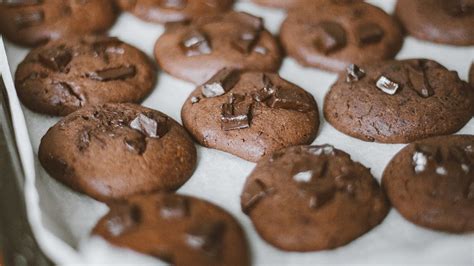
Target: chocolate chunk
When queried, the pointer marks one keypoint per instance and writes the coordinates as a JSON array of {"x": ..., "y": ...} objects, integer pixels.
[
  {"x": 29, "y": 19},
  {"x": 387, "y": 86},
  {"x": 266, "y": 92},
  {"x": 70, "y": 91},
  {"x": 173, "y": 4},
  {"x": 459, "y": 155},
  {"x": 354, "y": 73},
  {"x": 147, "y": 126},
  {"x": 20, "y": 2},
  {"x": 289, "y": 99},
  {"x": 257, "y": 190},
  {"x": 122, "y": 218},
  {"x": 369, "y": 33},
  {"x": 247, "y": 20},
  {"x": 136, "y": 143},
  {"x": 117, "y": 73},
  {"x": 56, "y": 59},
  {"x": 174, "y": 207},
  {"x": 221, "y": 83},
  {"x": 206, "y": 236},
  {"x": 196, "y": 43},
  {"x": 105, "y": 44},
  {"x": 246, "y": 42},
  {"x": 195, "y": 100},
  {"x": 332, "y": 37},
  {"x": 419, "y": 81},
  {"x": 236, "y": 114},
  {"x": 84, "y": 140}
]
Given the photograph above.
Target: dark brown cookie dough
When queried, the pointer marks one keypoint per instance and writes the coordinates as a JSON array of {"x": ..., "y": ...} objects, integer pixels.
[
  {"x": 250, "y": 114},
  {"x": 440, "y": 21},
  {"x": 179, "y": 230},
  {"x": 195, "y": 52},
  {"x": 67, "y": 74},
  {"x": 399, "y": 101},
  {"x": 113, "y": 151},
  {"x": 331, "y": 35},
  {"x": 32, "y": 22},
  {"x": 163, "y": 11},
  {"x": 308, "y": 198},
  {"x": 431, "y": 183}
]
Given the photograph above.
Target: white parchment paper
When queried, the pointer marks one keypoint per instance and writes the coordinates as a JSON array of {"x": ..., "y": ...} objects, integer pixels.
[{"x": 62, "y": 219}]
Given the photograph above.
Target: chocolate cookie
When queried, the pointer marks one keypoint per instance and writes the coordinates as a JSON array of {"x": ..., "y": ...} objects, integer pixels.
[
  {"x": 116, "y": 150},
  {"x": 333, "y": 34},
  {"x": 67, "y": 74},
  {"x": 196, "y": 51},
  {"x": 308, "y": 198},
  {"x": 250, "y": 114},
  {"x": 440, "y": 21},
  {"x": 31, "y": 22},
  {"x": 431, "y": 183},
  {"x": 179, "y": 230},
  {"x": 399, "y": 101},
  {"x": 163, "y": 11}
]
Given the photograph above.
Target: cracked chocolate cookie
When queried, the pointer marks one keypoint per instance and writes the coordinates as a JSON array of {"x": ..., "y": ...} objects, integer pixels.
[
  {"x": 399, "y": 101},
  {"x": 113, "y": 151},
  {"x": 179, "y": 230},
  {"x": 196, "y": 51},
  {"x": 163, "y": 11},
  {"x": 334, "y": 34},
  {"x": 250, "y": 114},
  {"x": 65, "y": 75},
  {"x": 439, "y": 21},
  {"x": 32, "y": 22},
  {"x": 308, "y": 198},
  {"x": 431, "y": 183}
]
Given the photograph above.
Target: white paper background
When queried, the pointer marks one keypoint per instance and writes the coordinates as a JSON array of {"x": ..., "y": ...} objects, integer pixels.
[{"x": 67, "y": 217}]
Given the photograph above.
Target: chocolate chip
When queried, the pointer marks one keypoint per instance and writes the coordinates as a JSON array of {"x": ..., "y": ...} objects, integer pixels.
[
  {"x": 387, "y": 86},
  {"x": 117, "y": 73},
  {"x": 247, "y": 20},
  {"x": 206, "y": 236},
  {"x": 55, "y": 59},
  {"x": 104, "y": 44},
  {"x": 173, "y": 4},
  {"x": 369, "y": 33},
  {"x": 195, "y": 100},
  {"x": 122, "y": 218},
  {"x": 332, "y": 37},
  {"x": 255, "y": 192},
  {"x": 20, "y": 2},
  {"x": 354, "y": 73},
  {"x": 148, "y": 126},
  {"x": 29, "y": 19},
  {"x": 246, "y": 42},
  {"x": 136, "y": 143},
  {"x": 67, "y": 90},
  {"x": 321, "y": 197},
  {"x": 290, "y": 100},
  {"x": 196, "y": 43},
  {"x": 174, "y": 207},
  {"x": 220, "y": 83},
  {"x": 319, "y": 150},
  {"x": 419, "y": 81},
  {"x": 266, "y": 92},
  {"x": 84, "y": 140},
  {"x": 458, "y": 8},
  {"x": 236, "y": 114}
]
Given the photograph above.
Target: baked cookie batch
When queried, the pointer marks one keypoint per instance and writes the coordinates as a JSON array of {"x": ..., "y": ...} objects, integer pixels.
[{"x": 299, "y": 197}]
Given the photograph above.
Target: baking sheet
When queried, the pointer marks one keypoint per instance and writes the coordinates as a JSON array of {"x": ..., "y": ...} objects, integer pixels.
[{"x": 62, "y": 219}]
